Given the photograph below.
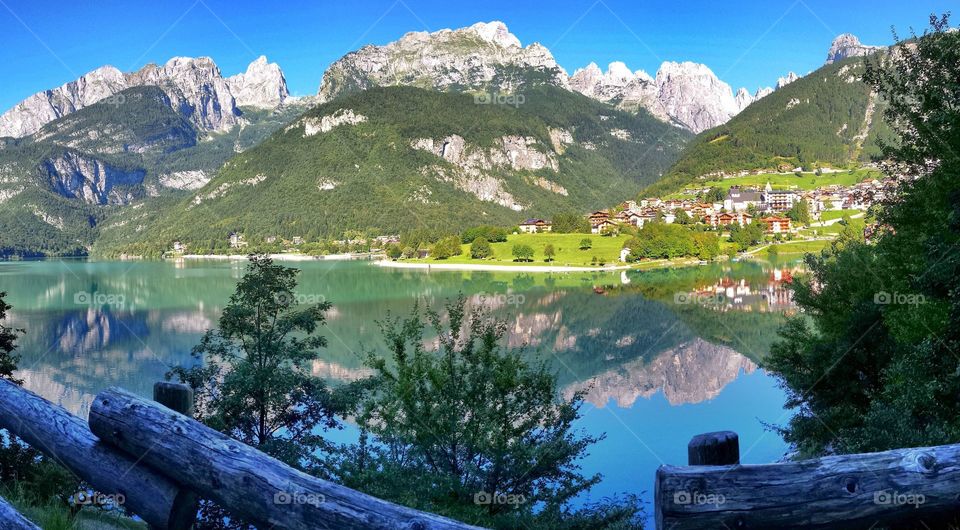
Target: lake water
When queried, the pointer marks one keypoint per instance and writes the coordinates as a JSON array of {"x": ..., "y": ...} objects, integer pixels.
[{"x": 662, "y": 355}]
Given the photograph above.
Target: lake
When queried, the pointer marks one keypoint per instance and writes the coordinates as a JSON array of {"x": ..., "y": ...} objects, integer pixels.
[{"x": 662, "y": 355}]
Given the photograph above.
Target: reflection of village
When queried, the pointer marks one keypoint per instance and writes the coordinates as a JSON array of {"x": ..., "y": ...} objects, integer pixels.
[{"x": 742, "y": 294}]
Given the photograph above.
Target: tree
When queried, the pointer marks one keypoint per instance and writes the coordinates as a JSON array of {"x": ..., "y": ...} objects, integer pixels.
[
  {"x": 447, "y": 248},
  {"x": 570, "y": 223},
  {"x": 8, "y": 337},
  {"x": 522, "y": 252},
  {"x": 800, "y": 212},
  {"x": 549, "y": 252},
  {"x": 252, "y": 377},
  {"x": 471, "y": 430},
  {"x": 394, "y": 252},
  {"x": 493, "y": 234},
  {"x": 409, "y": 252},
  {"x": 745, "y": 236},
  {"x": 887, "y": 314},
  {"x": 681, "y": 217},
  {"x": 586, "y": 243},
  {"x": 481, "y": 249}
]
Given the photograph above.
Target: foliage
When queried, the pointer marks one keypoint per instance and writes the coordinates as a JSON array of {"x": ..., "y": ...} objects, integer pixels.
[
  {"x": 447, "y": 248},
  {"x": 480, "y": 248},
  {"x": 887, "y": 315},
  {"x": 570, "y": 223},
  {"x": 445, "y": 429},
  {"x": 669, "y": 241},
  {"x": 745, "y": 237},
  {"x": 549, "y": 252},
  {"x": 799, "y": 213},
  {"x": 493, "y": 234},
  {"x": 586, "y": 243},
  {"x": 252, "y": 377},
  {"x": 522, "y": 252},
  {"x": 8, "y": 337}
]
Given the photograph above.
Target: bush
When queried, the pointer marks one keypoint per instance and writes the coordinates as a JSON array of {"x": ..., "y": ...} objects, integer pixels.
[
  {"x": 493, "y": 234},
  {"x": 586, "y": 243},
  {"x": 447, "y": 247},
  {"x": 481, "y": 249}
]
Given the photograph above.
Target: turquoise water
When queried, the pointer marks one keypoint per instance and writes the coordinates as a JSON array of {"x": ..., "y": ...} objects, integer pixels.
[{"x": 662, "y": 355}]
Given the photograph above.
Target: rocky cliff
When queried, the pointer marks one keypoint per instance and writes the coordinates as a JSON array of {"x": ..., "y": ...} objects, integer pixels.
[
  {"x": 846, "y": 46},
  {"x": 481, "y": 57},
  {"x": 195, "y": 88},
  {"x": 262, "y": 85}
]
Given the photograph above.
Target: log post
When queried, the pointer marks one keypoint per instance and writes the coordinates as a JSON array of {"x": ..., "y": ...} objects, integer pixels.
[
  {"x": 174, "y": 396},
  {"x": 859, "y": 491},
  {"x": 714, "y": 449},
  {"x": 64, "y": 438},
  {"x": 11, "y": 519},
  {"x": 239, "y": 478}
]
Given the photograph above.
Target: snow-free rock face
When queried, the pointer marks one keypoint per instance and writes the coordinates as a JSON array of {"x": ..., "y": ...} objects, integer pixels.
[
  {"x": 786, "y": 80},
  {"x": 686, "y": 94},
  {"x": 31, "y": 114},
  {"x": 73, "y": 175},
  {"x": 194, "y": 86},
  {"x": 846, "y": 46},
  {"x": 261, "y": 86},
  {"x": 462, "y": 59}
]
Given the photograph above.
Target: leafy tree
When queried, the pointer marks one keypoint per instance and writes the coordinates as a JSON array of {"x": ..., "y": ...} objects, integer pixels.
[
  {"x": 887, "y": 315},
  {"x": 447, "y": 247},
  {"x": 446, "y": 429},
  {"x": 252, "y": 378},
  {"x": 493, "y": 234},
  {"x": 549, "y": 252},
  {"x": 681, "y": 217},
  {"x": 586, "y": 243},
  {"x": 394, "y": 252},
  {"x": 481, "y": 249},
  {"x": 745, "y": 236},
  {"x": 571, "y": 223},
  {"x": 409, "y": 252},
  {"x": 800, "y": 212},
  {"x": 522, "y": 252},
  {"x": 8, "y": 337}
]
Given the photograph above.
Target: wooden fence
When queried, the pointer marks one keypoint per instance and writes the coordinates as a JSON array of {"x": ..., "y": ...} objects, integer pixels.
[
  {"x": 161, "y": 461},
  {"x": 869, "y": 490}
]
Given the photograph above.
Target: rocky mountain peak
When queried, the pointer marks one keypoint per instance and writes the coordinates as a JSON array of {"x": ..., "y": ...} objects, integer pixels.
[
  {"x": 464, "y": 59},
  {"x": 786, "y": 80},
  {"x": 848, "y": 45},
  {"x": 262, "y": 85}
]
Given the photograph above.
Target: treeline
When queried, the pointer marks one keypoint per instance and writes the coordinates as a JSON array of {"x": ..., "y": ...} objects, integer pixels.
[{"x": 670, "y": 241}]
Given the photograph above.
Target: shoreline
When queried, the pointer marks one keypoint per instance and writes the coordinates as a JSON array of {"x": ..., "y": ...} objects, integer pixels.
[
  {"x": 278, "y": 257},
  {"x": 386, "y": 263}
]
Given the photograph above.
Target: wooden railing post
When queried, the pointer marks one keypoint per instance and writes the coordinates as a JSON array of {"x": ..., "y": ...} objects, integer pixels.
[
  {"x": 66, "y": 440},
  {"x": 11, "y": 519},
  {"x": 714, "y": 449},
  {"x": 174, "y": 396}
]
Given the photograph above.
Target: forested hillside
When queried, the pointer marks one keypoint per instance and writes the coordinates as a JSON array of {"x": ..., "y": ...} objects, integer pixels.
[
  {"x": 828, "y": 118},
  {"x": 391, "y": 159}
]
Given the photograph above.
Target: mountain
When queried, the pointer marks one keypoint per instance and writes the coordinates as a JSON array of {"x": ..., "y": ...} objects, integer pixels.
[
  {"x": 687, "y": 94},
  {"x": 392, "y": 159},
  {"x": 128, "y": 150},
  {"x": 829, "y": 118},
  {"x": 482, "y": 57},
  {"x": 194, "y": 87},
  {"x": 846, "y": 46}
]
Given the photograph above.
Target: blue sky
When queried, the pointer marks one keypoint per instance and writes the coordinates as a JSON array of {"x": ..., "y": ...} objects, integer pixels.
[{"x": 747, "y": 43}]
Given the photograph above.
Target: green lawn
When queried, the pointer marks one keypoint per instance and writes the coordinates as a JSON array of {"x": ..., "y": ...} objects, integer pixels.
[
  {"x": 797, "y": 247},
  {"x": 837, "y": 214},
  {"x": 567, "y": 247}
]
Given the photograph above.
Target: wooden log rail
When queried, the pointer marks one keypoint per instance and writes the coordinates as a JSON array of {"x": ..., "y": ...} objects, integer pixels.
[
  {"x": 239, "y": 478},
  {"x": 11, "y": 519},
  {"x": 838, "y": 492},
  {"x": 65, "y": 438}
]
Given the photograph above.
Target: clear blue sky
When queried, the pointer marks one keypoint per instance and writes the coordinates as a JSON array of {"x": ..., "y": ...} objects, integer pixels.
[{"x": 747, "y": 42}]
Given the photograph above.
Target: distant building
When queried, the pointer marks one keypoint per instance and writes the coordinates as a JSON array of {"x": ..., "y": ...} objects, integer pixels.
[
  {"x": 778, "y": 200},
  {"x": 777, "y": 225},
  {"x": 297, "y": 240},
  {"x": 603, "y": 226},
  {"x": 237, "y": 240},
  {"x": 727, "y": 219},
  {"x": 179, "y": 247},
  {"x": 739, "y": 200},
  {"x": 533, "y": 226}
]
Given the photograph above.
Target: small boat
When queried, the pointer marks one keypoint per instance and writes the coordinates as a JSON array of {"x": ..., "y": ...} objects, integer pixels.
[{"x": 599, "y": 290}]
